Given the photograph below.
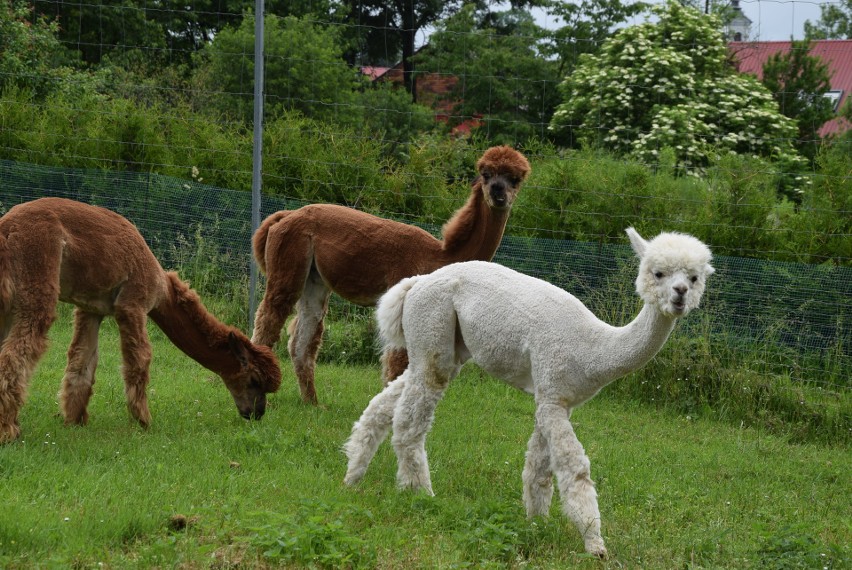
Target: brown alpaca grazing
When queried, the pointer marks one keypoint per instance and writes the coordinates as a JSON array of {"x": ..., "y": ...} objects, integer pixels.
[
  {"x": 55, "y": 249},
  {"x": 322, "y": 248}
]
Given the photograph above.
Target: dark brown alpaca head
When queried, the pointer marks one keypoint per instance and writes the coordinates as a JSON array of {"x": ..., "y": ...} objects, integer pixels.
[
  {"x": 501, "y": 171},
  {"x": 258, "y": 375},
  {"x": 248, "y": 371}
]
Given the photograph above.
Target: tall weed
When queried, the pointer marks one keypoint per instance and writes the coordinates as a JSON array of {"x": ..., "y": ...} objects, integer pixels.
[{"x": 316, "y": 535}]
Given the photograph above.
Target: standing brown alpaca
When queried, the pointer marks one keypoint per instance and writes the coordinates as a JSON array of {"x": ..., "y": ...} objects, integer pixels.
[
  {"x": 54, "y": 249},
  {"x": 311, "y": 252}
]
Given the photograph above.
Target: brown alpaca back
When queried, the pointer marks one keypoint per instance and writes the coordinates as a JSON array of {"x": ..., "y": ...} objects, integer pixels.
[
  {"x": 86, "y": 255},
  {"x": 260, "y": 236},
  {"x": 7, "y": 286}
]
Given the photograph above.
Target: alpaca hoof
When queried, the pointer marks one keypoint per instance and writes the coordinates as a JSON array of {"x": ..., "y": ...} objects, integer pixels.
[
  {"x": 9, "y": 433},
  {"x": 352, "y": 478},
  {"x": 416, "y": 487},
  {"x": 309, "y": 396},
  {"x": 144, "y": 421},
  {"x": 538, "y": 513},
  {"x": 596, "y": 547},
  {"x": 79, "y": 419},
  {"x": 310, "y": 401},
  {"x": 418, "y": 490}
]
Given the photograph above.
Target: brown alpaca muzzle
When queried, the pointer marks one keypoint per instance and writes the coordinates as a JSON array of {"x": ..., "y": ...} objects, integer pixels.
[
  {"x": 251, "y": 405},
  {"x": 499, "y": 194}
]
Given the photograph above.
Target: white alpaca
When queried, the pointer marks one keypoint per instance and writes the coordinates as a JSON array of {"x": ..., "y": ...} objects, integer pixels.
[{"x": 537, "y": 338}]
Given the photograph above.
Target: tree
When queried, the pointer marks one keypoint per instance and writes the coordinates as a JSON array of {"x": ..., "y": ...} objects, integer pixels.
[
  {"x": 98, "y": 28},
  {"x": 799, "y": 81},
  {"x": 304, "y": 69},
  {"x": 667, "y": 87},
  {"x": 586, "y": 26},
  {"x": 501, "y": 79},
  {"x": 388, "y": 30},
  {"x": 165, "y": 31},
  {"x": 31, "y": 57},
  {"x": 835, "y": 22},
  {"x": 387, "y": 114}
]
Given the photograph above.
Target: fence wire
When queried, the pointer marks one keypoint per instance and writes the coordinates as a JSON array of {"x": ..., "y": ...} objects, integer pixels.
[{"x": 801, "y": 315}]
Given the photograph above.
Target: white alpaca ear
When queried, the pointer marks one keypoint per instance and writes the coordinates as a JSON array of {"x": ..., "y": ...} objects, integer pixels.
[
  {"x": 708, "y": 270},
  {"x": 637, "y": 242}
]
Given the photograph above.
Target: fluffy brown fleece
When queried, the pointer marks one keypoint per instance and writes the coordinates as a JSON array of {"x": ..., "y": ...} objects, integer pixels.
[
  {"x": 311, "y": 252},
  {"x": 55, "y": 249}
]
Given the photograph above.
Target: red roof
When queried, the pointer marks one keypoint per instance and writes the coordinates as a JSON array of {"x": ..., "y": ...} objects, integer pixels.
[
  {"x": 374, "y": 72},
  {"x": 751, "y": 56},
  {"x": 432, "y": 89}
]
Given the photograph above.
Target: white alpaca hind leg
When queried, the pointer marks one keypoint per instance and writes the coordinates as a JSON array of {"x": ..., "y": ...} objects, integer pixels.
[
  {"x": 538, "y": 476},
  {"x": 411, "y": 422},
  {"x": 371, "y": 430},
  {"x": 572, "y": 469}
]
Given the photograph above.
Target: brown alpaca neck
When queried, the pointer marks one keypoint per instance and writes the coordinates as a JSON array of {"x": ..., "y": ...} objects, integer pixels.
[
  {"x": 197, "y": 333},
  {"x": 475, "y": 230}
]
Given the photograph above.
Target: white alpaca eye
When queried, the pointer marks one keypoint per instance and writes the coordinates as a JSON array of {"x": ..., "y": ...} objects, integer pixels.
[
  {"x": 694, "y": 278},
  {"x": 659, "y": 274}
]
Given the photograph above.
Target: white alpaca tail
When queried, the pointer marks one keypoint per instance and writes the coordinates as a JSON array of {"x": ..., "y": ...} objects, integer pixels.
[{"x": 389, "y": 313}]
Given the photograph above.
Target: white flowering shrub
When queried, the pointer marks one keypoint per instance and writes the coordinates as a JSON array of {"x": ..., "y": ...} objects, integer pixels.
[{"x": 669, "y": 85}]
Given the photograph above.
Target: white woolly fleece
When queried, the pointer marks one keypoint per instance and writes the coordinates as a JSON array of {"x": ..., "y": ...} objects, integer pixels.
[{"x": 533, "y": 336}]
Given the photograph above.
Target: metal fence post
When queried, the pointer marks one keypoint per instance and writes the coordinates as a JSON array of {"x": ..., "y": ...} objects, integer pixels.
[{"x": 257, "y": 154}]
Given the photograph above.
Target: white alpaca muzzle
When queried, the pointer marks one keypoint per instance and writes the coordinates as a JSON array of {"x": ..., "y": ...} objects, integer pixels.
[{"x": 678, "y": 305}]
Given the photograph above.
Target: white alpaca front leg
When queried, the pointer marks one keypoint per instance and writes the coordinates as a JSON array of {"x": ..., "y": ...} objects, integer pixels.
[
  {"x": 538, "y": 476},
  {"x": 371, "y": 430},
  {"x": 573, "y": 473},
  {"x": 411, "y": 422}
]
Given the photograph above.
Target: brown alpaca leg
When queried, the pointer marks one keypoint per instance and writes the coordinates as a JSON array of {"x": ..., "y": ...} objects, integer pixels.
[
  {"x": 394, "y": 363},
  {"x": 269, "y": 318},
  {"x": 136, "y": 352},
  {"x": 306, "y": 335},
  {"x": 285, "y": 280},
  {"x": 80, "y": 372},
  {"x": 21, "y": 350}
]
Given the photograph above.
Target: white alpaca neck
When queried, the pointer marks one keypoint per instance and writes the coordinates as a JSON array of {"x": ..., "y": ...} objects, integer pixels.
[{"x": 628, "y": 348}]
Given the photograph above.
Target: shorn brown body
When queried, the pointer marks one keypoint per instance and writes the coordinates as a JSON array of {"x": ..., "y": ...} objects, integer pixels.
[
  {"x": 53, "y": 249},
  {"x": 322, "y": 248}
]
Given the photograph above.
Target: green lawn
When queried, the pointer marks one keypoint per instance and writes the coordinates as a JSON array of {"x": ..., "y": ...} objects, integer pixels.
[{"x": 205, "y": 489}]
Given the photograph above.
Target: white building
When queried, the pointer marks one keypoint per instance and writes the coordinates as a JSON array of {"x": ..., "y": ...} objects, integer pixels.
[{"x": 739, "y": 28}]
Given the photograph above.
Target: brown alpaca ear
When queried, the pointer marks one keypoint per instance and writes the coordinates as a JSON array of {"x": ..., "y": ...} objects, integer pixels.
[{"x": 238, "y": 349}]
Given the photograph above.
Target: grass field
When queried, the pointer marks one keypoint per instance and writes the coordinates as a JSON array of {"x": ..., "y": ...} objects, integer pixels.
[{"x": 204, "y": 489}]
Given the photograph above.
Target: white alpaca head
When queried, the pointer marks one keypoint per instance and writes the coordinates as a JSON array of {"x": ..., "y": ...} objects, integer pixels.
[{"x": 673, "y": 270}]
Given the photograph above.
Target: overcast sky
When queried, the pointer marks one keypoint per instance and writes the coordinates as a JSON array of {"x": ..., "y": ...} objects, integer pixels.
[
  {"x": 780, "y": 19},
  {"x": 771, "y": 19}
]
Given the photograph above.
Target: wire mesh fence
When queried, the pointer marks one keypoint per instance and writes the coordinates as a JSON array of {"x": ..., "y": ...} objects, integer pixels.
[{"x": 803, "y": 312}]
